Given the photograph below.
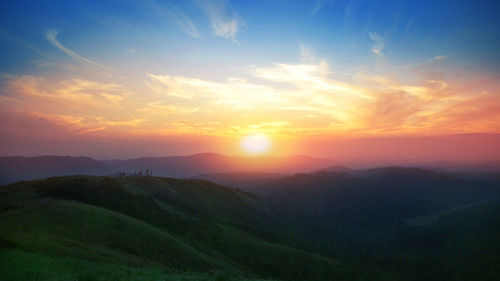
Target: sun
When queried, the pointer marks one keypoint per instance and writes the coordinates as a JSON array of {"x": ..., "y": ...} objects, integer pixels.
[{"x": 256, "y": 144}]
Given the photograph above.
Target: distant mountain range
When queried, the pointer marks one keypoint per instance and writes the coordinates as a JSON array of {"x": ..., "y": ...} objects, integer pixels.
[
  {"x": 242, "y": 180},
  {"x": 204, "y": 163},
  {"x": 14, "y": 169},
  {"x": 227, "y": 170}
]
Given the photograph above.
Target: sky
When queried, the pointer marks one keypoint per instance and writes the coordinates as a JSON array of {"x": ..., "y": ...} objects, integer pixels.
[{"x": 401, "y": 80}]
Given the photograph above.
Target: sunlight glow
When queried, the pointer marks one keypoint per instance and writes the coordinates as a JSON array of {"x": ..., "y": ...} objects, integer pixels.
[{"x": 256, "y": 144}]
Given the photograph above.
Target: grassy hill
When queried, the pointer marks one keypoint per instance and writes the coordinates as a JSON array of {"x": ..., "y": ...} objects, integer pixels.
[
  {"x": 386, "y": 224},
  {"x": 145, "y": 225}
]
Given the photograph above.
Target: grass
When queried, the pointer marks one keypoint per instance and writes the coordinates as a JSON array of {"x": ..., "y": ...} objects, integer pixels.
[
  {"x": 203, "y": 228},
  {"x": 148, "y": 228},
  {"x": 18, "y": 265},
  {"x": 76, "y": 229}
]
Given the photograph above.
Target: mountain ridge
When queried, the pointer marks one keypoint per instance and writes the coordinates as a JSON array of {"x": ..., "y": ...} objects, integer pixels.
[{"x": 17, "y": 168}]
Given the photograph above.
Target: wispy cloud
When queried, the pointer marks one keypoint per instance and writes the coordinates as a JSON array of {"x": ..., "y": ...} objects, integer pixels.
[
  {"x": 51, "y": 36},
  {"x": 173, "y": 13},
  {"x": 320, "y": 4},
  {"x": 234, "y": 91},
  {"x": 379, "y": 43},
  {"x": 75, "y": 95},
  {"x": 309, "y": 78},
  {"x": 306, "y": 54},
  {"x": 224, "y": 19},
  {"x": 431, "y": 69}
]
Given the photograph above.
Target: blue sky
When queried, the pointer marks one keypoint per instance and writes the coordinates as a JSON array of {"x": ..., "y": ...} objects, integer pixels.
[{"x": 180, "y": 34}]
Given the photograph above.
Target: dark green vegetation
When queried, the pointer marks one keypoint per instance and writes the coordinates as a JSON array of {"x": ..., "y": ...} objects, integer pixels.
[
  {"x": 152, "y": 226},
  {"x": 387, "y": 224}
]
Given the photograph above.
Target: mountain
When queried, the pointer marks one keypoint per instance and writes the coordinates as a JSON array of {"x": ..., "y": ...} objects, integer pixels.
[
  {"x": 241, "y": 180},
  {"x": 477, "y": 167},
  {"x": 254, "y": 181},
  {"x": 463, "y": 242},
  {"x": 392, "y": 192},
  {"x": 334, "y": 207},
  {"x": 337, "y": 168},
  {"x": 14, "y": 169},
  {"x": 207, "y": 163}
]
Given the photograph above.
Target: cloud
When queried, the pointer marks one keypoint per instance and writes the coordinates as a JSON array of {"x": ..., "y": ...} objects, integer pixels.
[
  {"x": 309, "y": 78},
  {"x": 81, "y": 105},
  {"x": 379, "y": 43},
  {"x": 320, "y": 4},
  {"x": 286, "y": 99},
  {"x": 29, "y": 124},
  {"x": 51, "y": 36},
  {"x": 439, "y": 58},
  {"x": 173, "y": 13},
  {"x": 431, "y": 69},
  {"x": 476, "y": 113},
  {"x": 306, "y": 54},
  {"x": 313, "y": 99},
  {"x": 235, "y": 92},
  {"x": 92, "y": 130},
  {"x": 224, "y": 19},
  {"x": 53, "y": 64}
]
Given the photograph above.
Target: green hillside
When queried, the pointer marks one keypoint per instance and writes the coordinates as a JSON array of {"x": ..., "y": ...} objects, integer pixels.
[
  {"x": 385, "y": 226},
  {"x": 89, "y": 226}
]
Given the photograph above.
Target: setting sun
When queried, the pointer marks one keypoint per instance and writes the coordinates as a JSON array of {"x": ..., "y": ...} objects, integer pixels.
[{"x": 256, "y": 144}]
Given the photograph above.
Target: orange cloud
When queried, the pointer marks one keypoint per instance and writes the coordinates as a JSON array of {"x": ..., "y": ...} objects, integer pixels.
[{"x": 286, "y": 100}]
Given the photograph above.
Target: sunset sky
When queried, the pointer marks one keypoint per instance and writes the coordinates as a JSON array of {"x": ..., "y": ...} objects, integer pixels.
[{"x": 400, "y": 80}]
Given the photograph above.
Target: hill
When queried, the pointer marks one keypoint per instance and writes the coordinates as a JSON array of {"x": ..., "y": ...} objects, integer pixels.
[
  {"x": 381, "y": 224},
  {"x": 374, "y": 198},
  {"x": 147, "y": 223},
  {"x": 14, "y": 169},
  {"x": 241, "y": 180},
  {"x": 351, "y": 214}
]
